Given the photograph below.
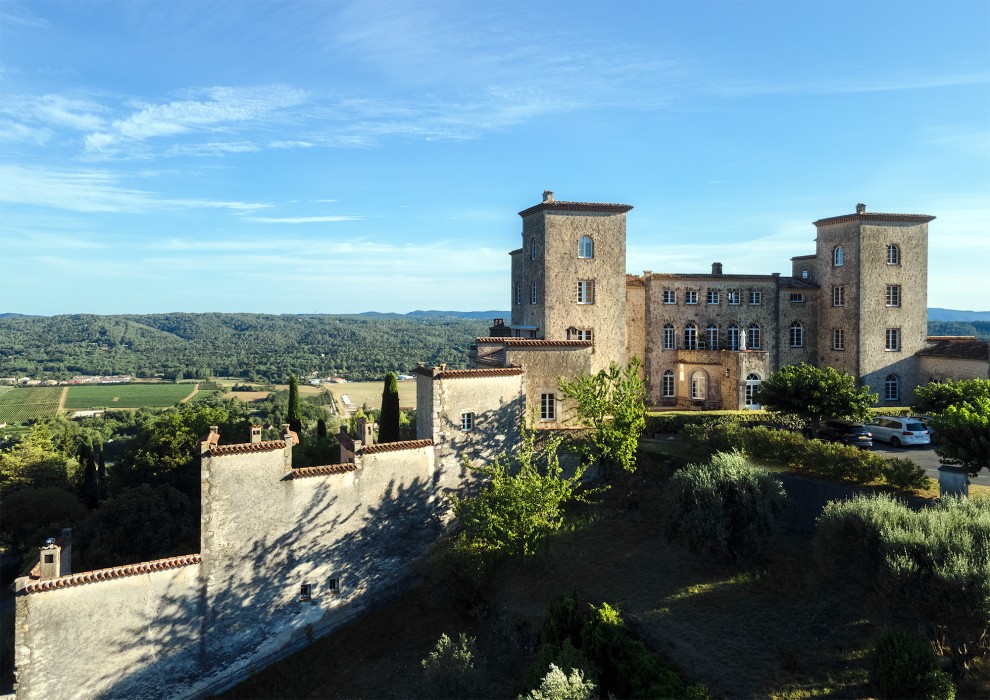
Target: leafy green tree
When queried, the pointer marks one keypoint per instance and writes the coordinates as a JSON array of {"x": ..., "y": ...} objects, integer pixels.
[
  {"x": 557, "y": 685},
  {"x": 964, "y": 434},
  {"x": 935, "y": 397},
  {"x": 612, "y": 403},
  {"x": 450, "y": 671},
  {"x": 388, "y": 426},
  {"x": 815, "y": 394},
  {"x": 321, "y": 428},
  {"x": 294, "y": 417},
  {"x": 35, "y": 461},
  {"x": 522, "y": 501},
  {"x": 31, "y": 515}
]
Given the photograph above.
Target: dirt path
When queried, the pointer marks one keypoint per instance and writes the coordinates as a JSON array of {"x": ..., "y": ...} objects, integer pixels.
[
  {"x": 62, "y": 398},
  {"x": 194, "y": 392}
]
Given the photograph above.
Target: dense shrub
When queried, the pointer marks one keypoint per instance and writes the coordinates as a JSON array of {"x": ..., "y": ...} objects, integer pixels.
[
  {"x": 842, "y": 462},
  {"x": 449, "y": 670},
  {"x": 726, "y": 507},
  {"x": 557, "y": 685},
  {"x": 721, "y": 435},
  {"x": 904, "y": 665},
  {"x": 779, "y": 447},
  {"x": 904, "y": 474},
  {"x": 933, "y": 565}
]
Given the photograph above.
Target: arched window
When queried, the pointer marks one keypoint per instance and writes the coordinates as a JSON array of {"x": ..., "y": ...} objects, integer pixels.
[
  {"x": 753, "y": 337},
  {"x": 711, "y": 336},
  {"x": 699, "y": 385},
  {"x": 668, "y": 383},
  {"x": 891, "y": 388},
  {"x": 797, "y": 335},
  {"x": 668, "y": 336},
  {"x": 752, "y": 381},
  {"x": 690, "y": 337},
  {"x": 893, "y": 255},
  {"x": 838, "y": 256},
  {"x": 586, "y": 249},
  {"x": 733, "y": 337}
]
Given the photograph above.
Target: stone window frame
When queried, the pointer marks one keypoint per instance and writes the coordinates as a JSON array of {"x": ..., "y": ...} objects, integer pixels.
[
  {"x": 796, "y": 298},
  {"x": 669, "y": 296},
  {"x": 532, "y": 292},
  {"x": 753, "y": 330},
  {"x": 586, "y": 292},
  {"x": 893, "y": 296},
  {"x": 839, "y": 295},
  {"x": 690, "y": 336},
  {"x": 712, "y": 297},
  {"x": 586, "y": 248},
  {"x": 732, "y": 297},
  {"x": 467, "y": 421},
  {"x": 732, "y": 337},
  {"x": 532, "y": 248},
  {"x": 891, "y": 388},
  {"x": 755, "y": 297},
  {"x": 838, "y": 256},
  {"x": 691, "y": 297},
  {"x": 892, "y": 340},
  {"x": 838, "y": 339},
  {"x": 711, "y": 336},
  {"x": 699, "y": 385},
  {"x": 548, "y": 406},
  {"x": 893, "y": 254},
  {"x": 795, "y": 335},
  {"x": 668, "y": 386},
  {"x": 668, "y": 337}
]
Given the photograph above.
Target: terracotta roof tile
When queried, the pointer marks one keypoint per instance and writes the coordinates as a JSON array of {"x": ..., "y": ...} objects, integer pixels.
[
  {"x": 112, "y": 573},
  {"x": 710, "y": 277},
  {"x": 324, "y": 470},
  {"x": 875, "y": 216},
  {"x": 634, "y": 281},
  {"x": 475, "y": 373},
  {"x": 603, "y": 207},
  {"x": 396, "y": 446},
  {"x": 796, "y": 283},
  {"x": 247, "y": 447},
  {"x": 535, "y": 343},
  {"x": 956, "y": 348}
]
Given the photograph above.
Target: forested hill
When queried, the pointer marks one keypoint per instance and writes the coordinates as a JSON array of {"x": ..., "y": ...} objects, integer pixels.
[{"x": 252, "y": 346}]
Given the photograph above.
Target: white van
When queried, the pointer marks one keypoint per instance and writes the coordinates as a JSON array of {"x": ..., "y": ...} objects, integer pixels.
[{"x": 899, "y": 431}]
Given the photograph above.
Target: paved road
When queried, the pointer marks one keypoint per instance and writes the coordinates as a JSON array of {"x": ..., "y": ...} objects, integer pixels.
[{"x": 925, "y": 457}]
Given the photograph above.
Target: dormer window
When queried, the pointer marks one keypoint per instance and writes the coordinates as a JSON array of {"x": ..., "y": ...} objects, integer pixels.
[{"x": 586, "y": 248}]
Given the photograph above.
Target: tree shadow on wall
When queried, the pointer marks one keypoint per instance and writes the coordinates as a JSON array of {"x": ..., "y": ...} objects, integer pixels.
[
  {"x": 249, "y": 608},
  {"x": 495, "y": 433}
]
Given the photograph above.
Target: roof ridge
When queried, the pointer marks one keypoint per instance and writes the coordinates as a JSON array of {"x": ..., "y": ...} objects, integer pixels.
[
  {"x": 396, "y": 446},
  {"x": 113, "y": 572}
]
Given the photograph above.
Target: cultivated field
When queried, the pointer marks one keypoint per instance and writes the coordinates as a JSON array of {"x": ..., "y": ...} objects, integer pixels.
[
  {"x": 127, "y": 396},
  {"x": 371, "y": 393},
  {"x": 22, "y": 404}
]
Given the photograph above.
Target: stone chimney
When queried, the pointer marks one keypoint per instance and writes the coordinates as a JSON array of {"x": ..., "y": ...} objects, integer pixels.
[
  {"x": 255, "y": 434},
  {"x": 716, "y": 268},
  {"x": 547, "y": 196},
  {"x": 55, "y": 558},
  {"x": 211, "y": 440},
  {"x": 860, "y": 208}
]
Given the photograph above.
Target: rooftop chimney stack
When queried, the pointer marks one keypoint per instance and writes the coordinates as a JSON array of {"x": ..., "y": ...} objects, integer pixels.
[
  {"x": 547, "y": 196},
  {"x": 716, "y": 268},
  {"x": 255, "y": 434},
  {"x": 861, "y": 208}
]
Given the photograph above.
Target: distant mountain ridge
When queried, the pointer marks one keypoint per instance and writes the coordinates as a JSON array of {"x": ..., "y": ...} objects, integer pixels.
[{"x": 937, "y": 314}]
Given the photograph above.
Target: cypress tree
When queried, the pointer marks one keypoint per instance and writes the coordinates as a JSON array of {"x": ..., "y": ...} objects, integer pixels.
[
  {"x": 295, "y": 413},
  {"x": 87, "y": 456},
  {"x": 388, "y": 422},
  {"x": 321, "y": 428}
]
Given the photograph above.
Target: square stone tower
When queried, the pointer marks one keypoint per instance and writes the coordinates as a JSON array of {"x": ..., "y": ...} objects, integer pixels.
[
  {"x": 568, "y": 278},
  {"x": 873, "y": 303}
]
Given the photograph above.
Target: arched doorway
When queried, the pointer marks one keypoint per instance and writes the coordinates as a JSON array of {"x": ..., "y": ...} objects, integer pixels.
[{"x": 752, "y": 381}]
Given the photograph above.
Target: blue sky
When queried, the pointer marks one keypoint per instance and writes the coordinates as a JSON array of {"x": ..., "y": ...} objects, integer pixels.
[{"x": 292, "y": 157}]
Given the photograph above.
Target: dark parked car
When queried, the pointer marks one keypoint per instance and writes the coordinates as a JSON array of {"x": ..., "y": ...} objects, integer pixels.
[{"x": 845, "y": 431}]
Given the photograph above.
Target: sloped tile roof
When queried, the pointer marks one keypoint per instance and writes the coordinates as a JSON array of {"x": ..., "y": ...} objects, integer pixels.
[
  {"x": 875, "y": 216},
  {"x": 475, "y": 373},
  {"x": 535, "y": 343},
  {"x": 710, "y": 277},
  {"x": 796, "y": 283},
  {"x": 79, "y": 579},
  {"x": 324, "y": 470},
  {"x": 602, "y": 207},
  {"x": 247, "y": 447},
  {"x": 396, "y": 446},
  {"x": 634, "y": 281},
  {"x": 956, "y": 347}
]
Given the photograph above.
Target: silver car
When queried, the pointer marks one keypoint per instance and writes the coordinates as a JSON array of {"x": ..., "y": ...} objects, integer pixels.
[{"x": 899, "y": 431}]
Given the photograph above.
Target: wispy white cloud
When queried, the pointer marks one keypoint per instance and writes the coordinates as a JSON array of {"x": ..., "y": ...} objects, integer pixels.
[
  {"x": 17, "y": 14},
  {"x": 838, "y": 86},
  {"x": 301, "y": 219}
]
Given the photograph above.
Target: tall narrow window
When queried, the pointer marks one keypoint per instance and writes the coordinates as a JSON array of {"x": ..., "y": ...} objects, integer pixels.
[
  {"x": 838, "y": 256},
  {"x": 891, "y": 388},
  {"x": 668, "y": 336},
  {"x": 893, "y": 255},
  {"x": 548, "y": 407},
  {"x": 711, "y": 336},
  {"x": 699, "y": 385},
  {"x": 532, "y": 249},
  {"x": 586, "y": 249},
  {"x": 732, "y": 337},
  {"x": 518, "y": 293},
  {"x": 668, "y": 383},
  {"x": 586, "y": 292},
  {"x": 797, "y": 335},
  {"x": 752, "y": 383},
  {"x": 838, "y": 339},
  {"x": 532, "y": 292},
  {"x": 753, "y": 337},
  {"x": 690, "y": 337},
  {"x": 838, "y": 296},
  {"x": 893, "y": 342},
  {"x": 893, "y": 295}
]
